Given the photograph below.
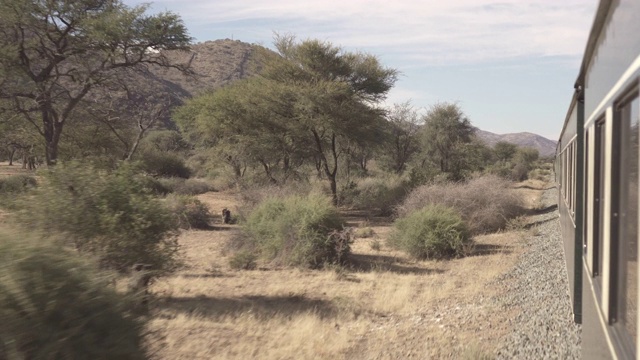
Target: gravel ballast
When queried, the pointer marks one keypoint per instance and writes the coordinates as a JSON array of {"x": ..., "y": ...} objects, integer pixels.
[{"x": 538, "y": 285}]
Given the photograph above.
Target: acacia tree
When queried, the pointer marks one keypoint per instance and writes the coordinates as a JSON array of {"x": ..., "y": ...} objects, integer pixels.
[
  {"x": 505, "y": 151},
  {"x": 53, "y": 53},
  {"x": 444, "y": 135},
  {"x": 314, "y": 102},
  {"x": 404, "y": 144},
  {"x": 244, "y": 122},
  {"x": 336, "y": 93}
]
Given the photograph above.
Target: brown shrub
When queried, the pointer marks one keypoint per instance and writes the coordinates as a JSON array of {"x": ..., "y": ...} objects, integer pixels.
[{"x": 485, "y": 203}]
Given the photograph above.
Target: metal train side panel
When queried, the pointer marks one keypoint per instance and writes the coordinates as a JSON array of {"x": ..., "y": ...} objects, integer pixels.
[
  {"x": 609, "y": 67},
  {"x": 570, "y": 223},
  {"x": 594, "y": 340},
  {"x": 615, "y": 48}
]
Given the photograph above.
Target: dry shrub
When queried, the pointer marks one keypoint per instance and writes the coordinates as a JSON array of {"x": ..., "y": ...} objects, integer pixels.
[
  {"x": 55, "y": 304},
  {"x": 190, "y": 212},
  {"x": 485, "y": 203},
  {"x": 382, "y": 194},
  {"x": 365, "y": 232}
]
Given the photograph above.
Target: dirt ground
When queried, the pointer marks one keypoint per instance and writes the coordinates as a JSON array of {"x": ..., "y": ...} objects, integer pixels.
[{"x": 384, "y": 306}]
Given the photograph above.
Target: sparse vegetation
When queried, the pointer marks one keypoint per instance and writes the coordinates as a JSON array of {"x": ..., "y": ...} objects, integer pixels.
[
  {"x": 289, "y": 151},
  {"x": 434, "y": 232}
]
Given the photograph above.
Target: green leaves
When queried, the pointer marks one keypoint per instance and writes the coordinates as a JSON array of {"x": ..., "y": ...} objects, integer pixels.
[{"x": 57, "y": 52}]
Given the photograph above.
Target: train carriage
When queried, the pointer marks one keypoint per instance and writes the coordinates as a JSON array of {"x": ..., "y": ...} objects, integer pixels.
[{"x": 597, "y": 161}]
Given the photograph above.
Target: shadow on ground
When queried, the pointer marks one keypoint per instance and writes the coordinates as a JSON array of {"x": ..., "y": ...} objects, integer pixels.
[
  {"x": 546, "y": 210},
  {"x": 489, "y": 249},
  {"x": 262, "y": 307},
  {"x": 368, "y": 263}
]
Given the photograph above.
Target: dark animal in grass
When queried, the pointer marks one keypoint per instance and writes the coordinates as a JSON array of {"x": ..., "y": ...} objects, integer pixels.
[{"x": 226, "y": 216}]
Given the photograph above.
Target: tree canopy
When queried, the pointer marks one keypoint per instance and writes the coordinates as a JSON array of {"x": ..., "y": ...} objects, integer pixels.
[
  {"x": 311, "y": 103},
  {"x": 55, "y": 52},
  {"x": 446, "y": 131}
]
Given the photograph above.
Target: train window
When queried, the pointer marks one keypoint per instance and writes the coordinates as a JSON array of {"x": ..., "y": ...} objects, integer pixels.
[
  {"x": 587, "y": 206},
  {"x": 627, "y": 224},
  {"x": 598, "y": 197},
  {"x": 573, "y": 178}
]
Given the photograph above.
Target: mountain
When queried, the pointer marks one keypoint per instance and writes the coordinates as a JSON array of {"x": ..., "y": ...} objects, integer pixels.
[
  {"x": 214, "y": 63},
  {"x": 544, "y": 146}
]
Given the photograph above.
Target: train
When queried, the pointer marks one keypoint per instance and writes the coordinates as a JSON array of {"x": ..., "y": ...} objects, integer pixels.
[{"x": 596, "y": 173}]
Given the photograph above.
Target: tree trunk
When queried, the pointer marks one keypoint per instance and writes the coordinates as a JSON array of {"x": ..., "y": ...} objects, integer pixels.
[
  {"x": 334, "y": 189},
  {"x": 52, "y": 132},
  {"x": 267, "y": 171},
  {"x": 11, "y": 154}
]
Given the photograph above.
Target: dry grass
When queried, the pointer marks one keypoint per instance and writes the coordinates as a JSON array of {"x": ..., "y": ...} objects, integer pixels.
[
  {"x": 485, "y": 203},
  {"x": 381, "y": 305}
]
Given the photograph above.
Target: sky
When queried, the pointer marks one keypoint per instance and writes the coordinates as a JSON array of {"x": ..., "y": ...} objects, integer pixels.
[{"x": 509, "y": 64}]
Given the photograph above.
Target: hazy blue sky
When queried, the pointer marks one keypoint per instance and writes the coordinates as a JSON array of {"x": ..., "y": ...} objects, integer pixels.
[{"x": 510, "y": 64}]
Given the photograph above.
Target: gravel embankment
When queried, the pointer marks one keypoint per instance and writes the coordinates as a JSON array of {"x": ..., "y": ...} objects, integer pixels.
[{"x": 538, "y": 286}]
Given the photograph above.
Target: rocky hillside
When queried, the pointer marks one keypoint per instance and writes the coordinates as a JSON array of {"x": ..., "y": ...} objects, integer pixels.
[
  {"x": 544, "y": 146},
  {"x": 215, "y": 63}
]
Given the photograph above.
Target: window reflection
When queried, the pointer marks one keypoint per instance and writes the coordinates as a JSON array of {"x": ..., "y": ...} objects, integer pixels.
[{"x": 629, "y": 244}]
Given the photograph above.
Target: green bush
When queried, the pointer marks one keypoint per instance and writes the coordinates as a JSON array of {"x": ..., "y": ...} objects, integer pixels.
[
  {"x": 155, "y": 186},
  {"x": 16, "y": 184},
  {"x": 485, "y": 203},
  {"x": 110, "y": 215},
  {"x": 190, "y": 212},
  {"x": 434, "y": 232},
  {"x": 298, "y": 230},
  {"x": 164, "y": 164},
  {"x": 11, "y": 187},
  {"x": 56, "y": 305},
  {"x": 243, "y": 260},
  {"x": 185, "y": 186}
]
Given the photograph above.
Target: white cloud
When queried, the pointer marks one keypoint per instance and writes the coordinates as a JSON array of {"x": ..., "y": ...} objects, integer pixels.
[{"x": 434, "y": 32}]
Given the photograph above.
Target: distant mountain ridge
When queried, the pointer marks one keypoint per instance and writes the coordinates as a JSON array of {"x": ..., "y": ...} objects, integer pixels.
[
  {"x": 220, "y": 62},
  {"x": 544, "y": 146}
]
